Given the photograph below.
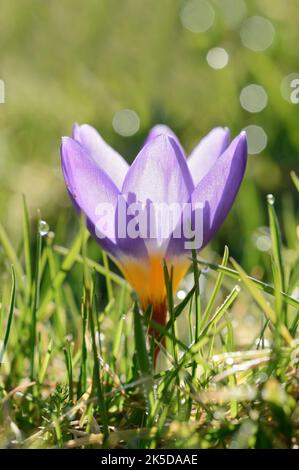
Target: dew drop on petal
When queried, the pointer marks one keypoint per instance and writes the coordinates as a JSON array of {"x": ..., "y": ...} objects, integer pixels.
[{"x": 43, "y": 228}]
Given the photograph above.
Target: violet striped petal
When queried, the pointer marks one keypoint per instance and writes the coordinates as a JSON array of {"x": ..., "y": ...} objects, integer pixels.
[
  {"x": 91, "y": 190},
  {"x": 216, "y": 193},
  {"x": 162, "y": 129},
  {"x": 159, "y": 178},
  {"x": 205, "y": 154},
  {"x": 105, "y": 156}
]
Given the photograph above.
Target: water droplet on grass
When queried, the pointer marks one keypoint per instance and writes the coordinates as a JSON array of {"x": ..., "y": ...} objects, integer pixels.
[
  {"x": 270, "y": 199},
  {"x": 43, "y": 228},
  {"x": 229, "y": 361},
  {"x": 181, "y": 294}
]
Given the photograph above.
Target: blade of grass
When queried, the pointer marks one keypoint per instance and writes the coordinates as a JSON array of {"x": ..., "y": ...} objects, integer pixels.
[
  {"x": 69, "y": 366},
  {"x": 295, "y": 180},
  {"x": 67, "y": 264},
  {"x": 10, "y": 315},
  {"x": 120, "y": 281},
  {"x": 259, "y": 284},
  {"x": 221, "y": 310},
  {"x": 13, "y": 257},
  {"x": 260, "y": 300},
  {"x": 97, "y": 385},
  {"x": 168, "y": 279},
  {"x": 107, "y": 276},
  {"x": 27, "y": 251},
  {"x": 276, "y": 239},
  {"x": 35, "y": 299},
  {"x": 216, "y": 288},
  {"x": 143, "y": 357},
  {"x": 277, "y": 263},
  {"x": 45, "y": 363}
]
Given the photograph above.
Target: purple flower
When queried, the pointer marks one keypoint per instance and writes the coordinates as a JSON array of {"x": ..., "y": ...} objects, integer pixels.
[{"x": 122, "y": 203}]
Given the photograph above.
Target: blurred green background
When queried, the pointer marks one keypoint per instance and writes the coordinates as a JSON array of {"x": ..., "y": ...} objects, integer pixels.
[{"x": 65, "y": 61}]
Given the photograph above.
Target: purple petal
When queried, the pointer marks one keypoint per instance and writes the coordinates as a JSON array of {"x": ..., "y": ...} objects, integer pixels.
[
  {"x": 104, "y": 155},
  {"x": 95, "y": 194},
  {"x": 162, "y": 129},
  {"x": 216, "y": 193},
  {"x": 159, "y": 173},
  {"x": 91, "y": 190},
  {"x": 159, "y": 176},
  {"x": 206, "y": 153}
]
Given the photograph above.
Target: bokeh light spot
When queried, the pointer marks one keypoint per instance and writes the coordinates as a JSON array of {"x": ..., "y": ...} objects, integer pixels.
[
  {"x": 126, "y": 122},
  {"x": 256, "y": 138},
  {"x": 257, "y": 33},
  {"x": 217, "y": 58},
  {"x": 262, "y": 238},
  {"x": 289, "y": 88},
  {"x": 233, "y": 11},
  {"x": 197, "y": 16},
  {"x": 181, "y": 294},
  {"x": 253, "y": 98}
]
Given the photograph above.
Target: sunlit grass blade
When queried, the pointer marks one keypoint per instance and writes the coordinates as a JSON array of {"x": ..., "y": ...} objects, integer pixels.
[
  {"x": 216, "y": 289},
  {"x": 294, "y": 277},
  {"x": 107, "y": 276},
  {"x": 142, "y": 356},
  {"x": 97, "y": 385},
  {"x": 197, "y": 294},
  {"x": 168, "y": 279},
  {"x": 119, "y": 330},
  {"x": 295, "y": 180},
  {"x": 66, "y": 265},
  {"x": 82, "y": 382},
  {"x": 221, "y": 310},
  {"x": 276, "y": 240},
  {"x": 59, "y": 313},
  {"x": 69, "y": 367},
  {"x": 45, "y": 363},
  {"x": 261, "y": 301},
  {"x": 27, "y": 249},
  {"x": 118, "y": 280},
  {"x": 140, "y": 343},
  {"x": 10, "y": 315},
  {"x": 35, "y": 302},
  {"x": 232, "y": 273},
  {"x": 13, "y": 257}
]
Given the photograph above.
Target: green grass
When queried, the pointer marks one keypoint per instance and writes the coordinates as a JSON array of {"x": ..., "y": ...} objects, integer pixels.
[{"x": 78, "y": 370}]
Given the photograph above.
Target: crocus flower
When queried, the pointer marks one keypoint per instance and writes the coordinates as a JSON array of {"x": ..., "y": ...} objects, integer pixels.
[{"x": 100, "y": 183}]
